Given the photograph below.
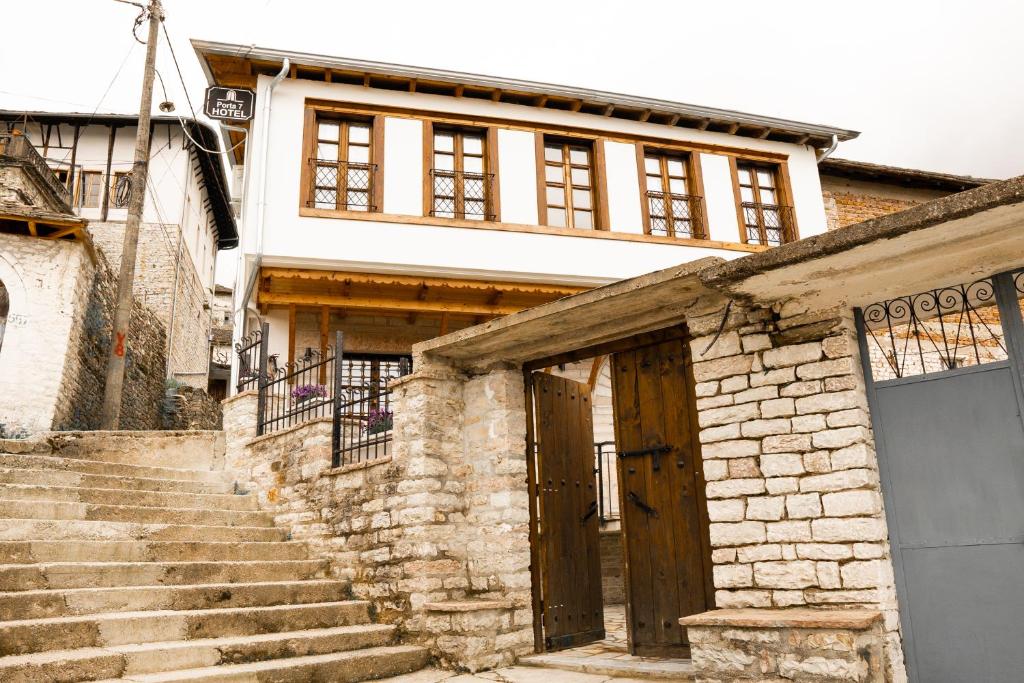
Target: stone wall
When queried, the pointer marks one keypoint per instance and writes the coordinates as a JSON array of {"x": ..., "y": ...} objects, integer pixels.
[
  {"x": 167, "y": 283},
  {"x": 81, "y": 399},
  {"x": 613, "y": 569},
  {"x": 793, "y": 490},
  {"x": 189, "y": 408},
  {"x": 852, "y": 201}
]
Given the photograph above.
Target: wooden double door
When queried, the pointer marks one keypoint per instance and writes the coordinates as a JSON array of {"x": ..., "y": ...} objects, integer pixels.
[{"x": 664, "y": 520}]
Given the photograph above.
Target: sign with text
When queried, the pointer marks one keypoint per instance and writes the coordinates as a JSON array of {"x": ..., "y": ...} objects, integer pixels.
[{"x": 229, "y": 104}]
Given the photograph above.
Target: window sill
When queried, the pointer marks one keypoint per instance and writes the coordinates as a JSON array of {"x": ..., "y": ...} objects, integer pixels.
[{"x": 535, "y": 229}]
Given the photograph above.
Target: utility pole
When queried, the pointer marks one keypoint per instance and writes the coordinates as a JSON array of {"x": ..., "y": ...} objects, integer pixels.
[{"x": 111, "y": 414}]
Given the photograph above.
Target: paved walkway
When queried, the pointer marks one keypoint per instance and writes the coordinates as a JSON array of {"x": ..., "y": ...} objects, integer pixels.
[{"x": 512, "y": 674}]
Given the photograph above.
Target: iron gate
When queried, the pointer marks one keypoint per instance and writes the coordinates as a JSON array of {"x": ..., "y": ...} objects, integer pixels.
[{"x": 945, "y": 371}]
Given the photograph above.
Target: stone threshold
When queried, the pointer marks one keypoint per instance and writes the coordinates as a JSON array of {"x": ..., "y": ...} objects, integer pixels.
[
  {"x": 631, "y": 667},
  {"x": 801, "y": 617}
]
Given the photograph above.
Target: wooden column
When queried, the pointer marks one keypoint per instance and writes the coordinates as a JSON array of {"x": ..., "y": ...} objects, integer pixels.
[
  {"x": 291, "y": 333},
  {"x": 325, "y": 319}
]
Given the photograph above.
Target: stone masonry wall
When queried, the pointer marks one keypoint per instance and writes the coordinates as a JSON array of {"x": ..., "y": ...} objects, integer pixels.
[
  {"x": 847, "y": 208},
  {"x": 81, "y": 397},
  {"x": 793, "y": 491},
  {"x": 172, "y": 289}
]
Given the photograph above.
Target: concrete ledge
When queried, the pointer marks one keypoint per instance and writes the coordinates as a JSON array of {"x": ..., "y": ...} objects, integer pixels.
[
  {"x": 288, "y": 430},
  {"x": 854, "y": 619},
  {"x": 239, "y": 396},
  {"x": 353, "y": 467},
  {"x": 467, "y": 605}
]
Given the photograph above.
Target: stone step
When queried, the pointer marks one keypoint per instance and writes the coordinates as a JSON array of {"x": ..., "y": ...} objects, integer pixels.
[
  {"x": 116, "y": 496},
  {"x": 197, "y": 449},
  {"x": 123, "y": 628},
  {"x": 59, "y": 510},
  {"x": 43, "y": 604},
  {"x": 102, "y": 530},
  {"x": 27, "y": 552},
  {"x": 53, "y": 477},
  {"x": 62, "y": 666},
  {"x": 53, "y": 575},
  {"x": 338, "y": 667},
  {"x": 55, "y": 462}
]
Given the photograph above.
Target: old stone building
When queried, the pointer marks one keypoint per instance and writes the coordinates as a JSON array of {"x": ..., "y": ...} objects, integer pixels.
[
  {"x": 188, "y": 215},
  {"x": 856, "y": 191}
]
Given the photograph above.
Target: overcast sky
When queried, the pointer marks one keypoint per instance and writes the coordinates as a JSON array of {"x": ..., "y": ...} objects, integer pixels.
[{"x": 930, "y": 84}]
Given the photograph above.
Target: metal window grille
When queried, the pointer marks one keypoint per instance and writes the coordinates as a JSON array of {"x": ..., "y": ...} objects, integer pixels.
[
  {"x": 767, "y": 224},
  {"x": 364, "y": 415},
  {"x": 608, "y": 499},
  {"x": 676, "y": 215},
  {"x": 341, "y": 185},
  {"x": 458, "y": 194}
]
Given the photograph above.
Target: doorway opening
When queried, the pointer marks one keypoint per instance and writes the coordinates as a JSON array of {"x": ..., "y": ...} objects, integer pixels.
[{"x": 619, "y": 527}]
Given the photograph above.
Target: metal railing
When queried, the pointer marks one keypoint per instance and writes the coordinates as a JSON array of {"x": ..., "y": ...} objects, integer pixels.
[
  {"x": 252, "y": 359},
  {"x": 299, "y": 391},
  {"x": 18, "y": 147},
  {"x": 341, "y": 185},
  {"x": 607, "y": 481},
  {"x": 364, "y": 415},
  {"x": 459, "y": 194},
  {"x": 676, "y": 215},
  {"x": 768, "y": 224}
]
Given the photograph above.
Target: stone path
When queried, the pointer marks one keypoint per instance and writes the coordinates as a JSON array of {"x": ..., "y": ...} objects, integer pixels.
[{"x": 512, "y": 674}]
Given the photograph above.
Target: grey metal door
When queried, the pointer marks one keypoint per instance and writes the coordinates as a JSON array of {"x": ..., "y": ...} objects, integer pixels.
[{"x": 950, "y": 437}]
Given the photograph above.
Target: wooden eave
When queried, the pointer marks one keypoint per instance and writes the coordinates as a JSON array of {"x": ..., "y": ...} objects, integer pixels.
[{"x": 401, "y": 295}]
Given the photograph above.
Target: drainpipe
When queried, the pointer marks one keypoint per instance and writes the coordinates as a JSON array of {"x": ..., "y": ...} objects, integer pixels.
[
  {"x": 822, "y": 155},
  {"x": 261, "y": 206}
]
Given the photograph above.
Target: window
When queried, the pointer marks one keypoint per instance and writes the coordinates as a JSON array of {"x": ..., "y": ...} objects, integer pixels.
[
  {"x": 342, "y": 176},
  {"x": 765, "y": 219},
  {"x": 90, "y": 189},
  {"x": 569, "y": 185},
  {"x": 462, "y": 185},
  {"x": 672, "y": 200}
]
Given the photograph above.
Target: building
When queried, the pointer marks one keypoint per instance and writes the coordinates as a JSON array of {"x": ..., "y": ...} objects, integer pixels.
[
  {"x": 221, "y": 349},
  {"x": 856, "y": 191},
  {"x": 56, "y": 306},
  {"x": 188, "y": 216},
  {"x": 398, "y": 203}
]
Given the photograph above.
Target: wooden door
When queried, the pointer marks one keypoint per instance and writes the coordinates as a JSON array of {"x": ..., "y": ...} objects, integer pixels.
[
  {"x": 661, "y": 492},
  {"x": 567, "y": 533}
]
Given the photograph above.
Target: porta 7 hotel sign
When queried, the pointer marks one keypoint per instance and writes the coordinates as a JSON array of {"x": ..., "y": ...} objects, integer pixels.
[{"x": 229, "y": 104}]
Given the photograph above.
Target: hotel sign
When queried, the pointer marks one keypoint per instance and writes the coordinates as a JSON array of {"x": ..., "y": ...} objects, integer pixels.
[{"x": 229, "y": 104}]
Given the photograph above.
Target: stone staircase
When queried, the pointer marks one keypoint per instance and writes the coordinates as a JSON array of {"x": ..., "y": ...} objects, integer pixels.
[{"x": 115, "y": 570}]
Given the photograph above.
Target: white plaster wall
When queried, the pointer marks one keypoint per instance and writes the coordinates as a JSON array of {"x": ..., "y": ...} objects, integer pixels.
[
  {"x": 403, "y": 166},
  {"x": 47, "y": 283},
  {"x": 807, "y": 200},
  {"x": 278, "y": 342},
  {"x": 517, "y": 175},
  {"x": 623, "y": 187},
  {"x": 719, "y": 198}
]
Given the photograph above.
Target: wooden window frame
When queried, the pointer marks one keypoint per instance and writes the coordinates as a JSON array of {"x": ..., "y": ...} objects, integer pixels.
[
  {"x": 376, "y": 158},
  {"x": 695, "y": 185},
  {"x": 598, "y": 181},
  {"x": 80, "y": 198},
  {"x": 492, "y": 190},
  {"x": 783, "y": 189}
]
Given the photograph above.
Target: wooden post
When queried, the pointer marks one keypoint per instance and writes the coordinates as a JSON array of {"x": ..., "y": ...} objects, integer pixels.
[
  {"x": 325, "y": 317},
  {"x": 111, "y": 414},
  {"x": 337, "y": 394}
]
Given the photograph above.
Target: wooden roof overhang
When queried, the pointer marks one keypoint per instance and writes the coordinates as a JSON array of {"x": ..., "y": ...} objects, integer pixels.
[
  {"x": 239, "y": 66},
  {"x": 18, "y": 220},
  {"x": 401, "y": 295}
]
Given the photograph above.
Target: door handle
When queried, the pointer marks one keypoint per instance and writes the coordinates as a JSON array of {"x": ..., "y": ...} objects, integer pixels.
[
  {"x": 636, "y": 500},
  {"x": 656, "y": 451}
]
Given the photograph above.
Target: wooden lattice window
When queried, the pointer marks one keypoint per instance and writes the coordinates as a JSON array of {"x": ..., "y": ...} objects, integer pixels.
[
  {"x": 674, "y": 207},
  {"x": 569, "y": 185},
  {"x": 460, "y": 179},
  {"x": 766, "y": 220},
  {"x": 342, "y": 172}
]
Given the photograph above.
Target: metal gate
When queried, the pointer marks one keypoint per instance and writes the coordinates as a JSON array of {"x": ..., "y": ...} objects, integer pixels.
[{"x": 944, "y": 370}]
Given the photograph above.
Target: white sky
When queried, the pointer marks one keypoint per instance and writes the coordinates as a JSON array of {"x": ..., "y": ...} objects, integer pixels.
[{"x": 930, "y": 84}]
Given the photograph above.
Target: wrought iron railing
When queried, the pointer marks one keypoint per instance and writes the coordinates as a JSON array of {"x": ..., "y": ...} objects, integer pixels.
[
  {"x": 458, "y": 194},
  {"x": 252, "y": 359},
  {"x": 364, "y": 414},
  {"x": 298, "y": 392},
  {"x": 676, "y": 215},
  {"x": 768, "y": 224},
  {"x": 607, "y": 481},
  {"x": 18, "y": 147},
  {"x": 341, "y": 185}
]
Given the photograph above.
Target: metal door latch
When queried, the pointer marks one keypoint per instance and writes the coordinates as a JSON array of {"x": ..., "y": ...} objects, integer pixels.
[
  {"x": 591, "y": 511},
  {"x": 636, "y": 500},
  {"x": 656, "y": 451}
]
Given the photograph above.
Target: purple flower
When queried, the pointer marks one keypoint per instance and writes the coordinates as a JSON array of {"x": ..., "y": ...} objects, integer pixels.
[
  {"x": 379, "y": 420},
  {"x": 307, "y": 391}
]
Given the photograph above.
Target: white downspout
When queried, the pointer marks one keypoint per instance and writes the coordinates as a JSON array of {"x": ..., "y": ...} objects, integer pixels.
[
  {"x": 261, "y": 210},
  {"x": 822, "y": 155}
]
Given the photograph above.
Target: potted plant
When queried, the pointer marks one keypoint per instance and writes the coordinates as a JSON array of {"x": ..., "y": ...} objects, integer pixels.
[
  {"x": 379, "y": 420},
  {"x": 308, "y": 392}
]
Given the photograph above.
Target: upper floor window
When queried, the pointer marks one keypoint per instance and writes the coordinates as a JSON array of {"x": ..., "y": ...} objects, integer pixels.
[
  {"x": 672, "y": 198},
  {"x": 120, "y": 190},
  {"x": 569, "y": 185},
  {"x": 90, "y": 189},
  {"x": 342, "y": 174},
  {"x": 462, "y": 184},
  {"x": 766, "y": 218}
]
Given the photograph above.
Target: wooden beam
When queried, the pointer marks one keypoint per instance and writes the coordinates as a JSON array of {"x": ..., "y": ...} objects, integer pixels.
[
  {"x": 444, "y": 324},
  {"x": 645, "y": 115},
  {"x": 32, "y": 229},
  {"x": 384, "y": 304},
  {"x": 366, "y": 80},
  {"x": 733, "y": 128},
  {"x": 63, "y": 232},
  {"x": 412, "y": 85},
  {"x": 541, "y": 101},
  {"x": 802, "y": 140},
  {"x": 416, "y": 281},
  {"x": 764, "y": 133},
  {"x": 328, "y": 76},
  {"x": 459, "y": 89},
  {"x": 608, "y": 110},
  {"x": 74, "y": 223},
  {"x": 674, "y": 120},
  {"x": 576, "y": 106},
  {"x": 703, "y": 125},
  {"x": 325, "y": 319},
  {"x": 496, "y": 95},
  {"x": 595, "y": 371}
]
